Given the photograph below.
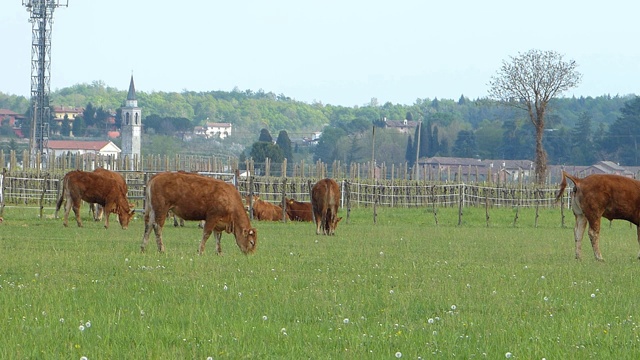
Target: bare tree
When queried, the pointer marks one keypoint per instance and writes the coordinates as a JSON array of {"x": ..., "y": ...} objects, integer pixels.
[{"x": 529, "y": 81}]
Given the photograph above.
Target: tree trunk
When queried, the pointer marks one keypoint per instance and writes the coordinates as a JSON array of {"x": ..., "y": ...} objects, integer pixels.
[{"x": 541, "y": 154}]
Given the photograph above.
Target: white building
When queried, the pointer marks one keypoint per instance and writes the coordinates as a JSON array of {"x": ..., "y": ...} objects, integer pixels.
[{"x": 214, "y": 130}]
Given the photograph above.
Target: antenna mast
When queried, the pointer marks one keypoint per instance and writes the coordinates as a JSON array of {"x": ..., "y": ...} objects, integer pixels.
[{"x": 41, "y": 18}]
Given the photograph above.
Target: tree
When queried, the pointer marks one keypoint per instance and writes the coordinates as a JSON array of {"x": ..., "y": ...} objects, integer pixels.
[
  {"x": 78, "y": 127},
  {"x": 529, "y": 82},
  {"x": 65, "y": 129},
  {"x": 582, "y": 145},
  {"x": 410, "y": 153},
  {"x": 284, "y": 143},
  {"x": 327, "y": 149},
  {"x": 265, "y": 136},
  {"x": 89, "y": 115},
  {"x": 261, "y": 150},
  {"x": 623, "y": 138},
  {"x": 465, "y": 145}
]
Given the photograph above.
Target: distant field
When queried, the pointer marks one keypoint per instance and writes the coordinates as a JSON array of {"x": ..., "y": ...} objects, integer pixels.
[{"x": 403, "y": 287}]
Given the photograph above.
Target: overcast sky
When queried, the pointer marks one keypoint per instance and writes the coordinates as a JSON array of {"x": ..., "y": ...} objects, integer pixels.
[{"x": 341, "y": 52}]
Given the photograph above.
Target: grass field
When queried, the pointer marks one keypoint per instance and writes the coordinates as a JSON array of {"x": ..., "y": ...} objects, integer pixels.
[{"x": 402, "y": 288}]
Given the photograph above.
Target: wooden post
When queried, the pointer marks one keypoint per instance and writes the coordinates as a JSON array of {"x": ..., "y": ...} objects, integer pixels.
[{"x": 44, "y": 191}]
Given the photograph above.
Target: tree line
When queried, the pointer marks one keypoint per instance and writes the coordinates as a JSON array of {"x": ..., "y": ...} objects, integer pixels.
[{"x": 578, "y": 131}]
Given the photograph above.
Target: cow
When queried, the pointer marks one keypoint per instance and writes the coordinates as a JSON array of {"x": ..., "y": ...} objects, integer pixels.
[
  {"x": 264, "y": 210},
  {"x": 298, "y": 211},
  {"x": 325, "y": 199},
  {"x": 197, "y": 197},
  {"x": 97, "y": 188},
  {"x": 96, "y": 209},
  {"x": 597, "y": 196}
]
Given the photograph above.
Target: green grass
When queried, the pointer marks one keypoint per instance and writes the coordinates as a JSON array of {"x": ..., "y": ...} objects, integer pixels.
[{"x": 402, "y": 285}]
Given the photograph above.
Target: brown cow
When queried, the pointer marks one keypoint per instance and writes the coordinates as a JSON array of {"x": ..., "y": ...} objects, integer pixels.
[
  {"x": 96, "y": 209},
  {"x": 298, "y": 211},
  {"x": 325, "y": 199},
  {"x": 264, "y": 210},
  {"x": 197, "y": 197},
  {"x": 597, "y": 196},
  {"x": 80, "y": 185}
]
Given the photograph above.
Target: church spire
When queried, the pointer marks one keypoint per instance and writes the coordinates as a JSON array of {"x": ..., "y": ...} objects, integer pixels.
[{"x": 132, "y": 90}]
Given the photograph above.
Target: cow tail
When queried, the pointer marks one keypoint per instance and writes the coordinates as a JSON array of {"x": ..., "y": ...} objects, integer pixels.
[
  {"x": 61, "y": 199},
  {"x": 563, "y": 184}
]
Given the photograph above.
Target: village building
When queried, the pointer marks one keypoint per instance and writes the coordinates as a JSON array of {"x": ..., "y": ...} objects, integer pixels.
[
  {"x": 59, "y": 148},
  {"x": 213, "y": 130}
]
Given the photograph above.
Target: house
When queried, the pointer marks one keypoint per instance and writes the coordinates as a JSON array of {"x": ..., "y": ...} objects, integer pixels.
[
  {"x": 212, "y": 130},
  {"x": 101, "y": 147},
  {"x": 404, "y": 126},
  {"x": 472, "y": 169},
  {"x": 13, "y": 119}
]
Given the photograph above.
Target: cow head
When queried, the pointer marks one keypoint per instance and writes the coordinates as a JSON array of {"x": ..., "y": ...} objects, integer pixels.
[
  {"x": 333, "y": 225},
  {"x": 248, "y": 241},
  {"x": 124, "y": 216}
]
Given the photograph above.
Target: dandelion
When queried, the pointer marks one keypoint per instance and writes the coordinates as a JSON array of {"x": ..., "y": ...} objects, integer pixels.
[
  {"x": 593, "y": 296},
  {"x": 210, "y": 358},
  {"x": 62, "y": 320},
  {"x": 398, "y": 354},
  {"x": 541, "y": 277},
  {"x": 264, "y": 317},
  {"x": 88, "y": 324},
  {"x": 381, "y": 253},
  {"x": 430, "y": 321},
  {"x": 546, "y": 298},
  {"x": 141, "y": 312},
  {"x": 81, "y": 327},
  {"x": 508, "y": 355},
  {"x": 391, "y": 292},
  {"x": 346, "y": 320},
  {"x": 83, "y": 358},
  {"x": 453, "y": 307}
]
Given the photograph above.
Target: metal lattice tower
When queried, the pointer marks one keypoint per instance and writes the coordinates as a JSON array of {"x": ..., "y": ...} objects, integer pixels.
[{"x": 41, "y": 18}]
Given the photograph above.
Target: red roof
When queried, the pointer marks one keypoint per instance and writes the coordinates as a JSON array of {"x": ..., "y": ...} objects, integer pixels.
[
  {"x": 7, "y": 112},
  {"x": 77, "y": 144}
]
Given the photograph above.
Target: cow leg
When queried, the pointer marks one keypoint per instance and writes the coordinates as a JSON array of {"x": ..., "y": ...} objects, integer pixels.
[
  {"x": 578, "y": 233},
  {"x": 638, "y": 231},
  {"x": 67, "y": 208},
  {"x": 218, "y": 235},
  {"x": 318, "y": 222},
  {"x": 157, "y": 229},
  {"x": 594, "y": 235},
  {"x": 149, "y": 219},
  {"x": 76, "y": 211},
  {"x": 206, "y": 233}
]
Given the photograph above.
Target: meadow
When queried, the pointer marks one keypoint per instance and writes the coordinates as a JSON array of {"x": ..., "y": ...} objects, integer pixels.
[{"x": 403, "y": 287}]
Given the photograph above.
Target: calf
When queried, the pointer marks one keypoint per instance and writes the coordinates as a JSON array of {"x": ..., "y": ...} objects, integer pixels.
[
  {"x": 597, "y": 196},
  {"x": 298, "y": 210},
  {"x": 196, "y": 197},
  {"x": 325, "y": 199},
  {"x": 264, "y": 210}
]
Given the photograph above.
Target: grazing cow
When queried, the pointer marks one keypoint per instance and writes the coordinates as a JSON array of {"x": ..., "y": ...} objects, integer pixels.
[
  {"x": 597, "y": 196},
  {"x": 298, "y": 211},
  {"x": 96, "y": 209},
  {"x": 264, "y": 210},
  {"x": 325, "y": 199},
  {"x": 197, "y": 197},
  {"x": 91, "y": 187}
]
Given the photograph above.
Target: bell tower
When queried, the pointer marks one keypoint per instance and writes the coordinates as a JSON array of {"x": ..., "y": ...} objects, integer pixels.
[{"x": 131, "y": 128}]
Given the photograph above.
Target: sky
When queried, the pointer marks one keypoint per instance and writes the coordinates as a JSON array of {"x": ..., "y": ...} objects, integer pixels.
[{"x": 339, "y": 52}]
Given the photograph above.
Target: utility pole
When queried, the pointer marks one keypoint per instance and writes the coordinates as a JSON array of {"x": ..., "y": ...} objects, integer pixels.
[{"x": 417, "y": 173}]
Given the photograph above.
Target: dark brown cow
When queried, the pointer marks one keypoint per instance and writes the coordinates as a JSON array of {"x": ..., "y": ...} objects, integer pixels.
[
  {"x": 597, "y": 196},
  {"x": 80, "y": 185},
  {"x": 325, "y": 200},
  {"x": 264, "y": 210},
  {"x": 96, "y": 209},
  {"x": 298, "y": 211},
  {"x": 196, "y": 197}
]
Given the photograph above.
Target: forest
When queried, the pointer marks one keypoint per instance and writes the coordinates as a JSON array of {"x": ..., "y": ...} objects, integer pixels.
[{"x": 579, "y": 131}]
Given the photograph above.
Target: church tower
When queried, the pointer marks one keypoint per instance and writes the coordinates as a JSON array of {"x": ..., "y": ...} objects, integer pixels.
[{"x": 131, "y": 128}]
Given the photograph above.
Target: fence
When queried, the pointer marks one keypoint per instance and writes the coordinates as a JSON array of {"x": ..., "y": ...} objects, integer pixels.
[{"x": 42, "y": 190}]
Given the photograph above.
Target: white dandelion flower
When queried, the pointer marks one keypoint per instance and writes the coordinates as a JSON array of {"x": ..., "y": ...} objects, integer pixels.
[
  {"x": 264, "y": 317},
  {"x": 508, "y": 355},
  {"x": 430, "y": 321},
  {"x": 398, "y": 355},
  {"x": 346, "y": 320},
  {"x": 81, "y": 327},
  {"x": 453, "y": 307},
  {"x": 88, "y": 324}
]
